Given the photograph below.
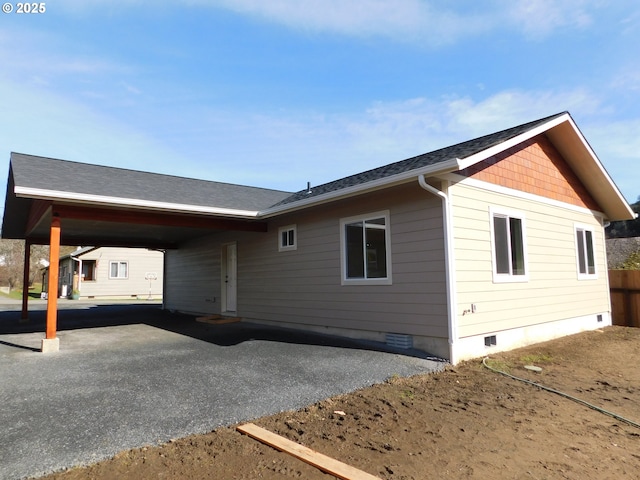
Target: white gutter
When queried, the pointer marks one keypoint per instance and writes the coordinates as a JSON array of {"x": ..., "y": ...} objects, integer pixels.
[
  {"x": 43, "y": 194},
  {"x": 79, "y": 260},
  {"x": 447, "y": 227}
]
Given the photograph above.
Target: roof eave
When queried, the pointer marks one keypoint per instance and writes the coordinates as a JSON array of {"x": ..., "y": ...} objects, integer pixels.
[
  {"x": 573, "y": 148},
  {"x": 55, "y": 195},
  {"x": 386, "y": 182}
]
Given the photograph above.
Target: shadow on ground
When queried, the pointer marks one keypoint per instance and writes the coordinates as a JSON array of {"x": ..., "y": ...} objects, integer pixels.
[{"x": 89, "y": 316}]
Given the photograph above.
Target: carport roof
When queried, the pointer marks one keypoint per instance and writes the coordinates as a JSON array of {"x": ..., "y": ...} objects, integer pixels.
[
  {"x": 53, "y": 178},
  {"x": 114, "y": 206}
]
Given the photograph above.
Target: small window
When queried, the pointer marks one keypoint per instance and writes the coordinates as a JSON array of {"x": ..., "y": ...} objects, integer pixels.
[
  {"x": 509, "y": 247},
  {"x": 88, "y": 270},
  {"x": 287, "y": 238},
  {"x": 118, "y": 270},
  {"x": 585, "y": 253},
  {"x": 365, "y": 247}
]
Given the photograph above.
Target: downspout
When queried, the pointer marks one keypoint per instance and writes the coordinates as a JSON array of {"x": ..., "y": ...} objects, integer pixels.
[
  {"x": 79, "y": 260},
  {"x": 449, "y": 265}
]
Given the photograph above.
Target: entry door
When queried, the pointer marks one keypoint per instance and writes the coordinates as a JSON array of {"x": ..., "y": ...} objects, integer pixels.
[{"x": 230, "y": 278}]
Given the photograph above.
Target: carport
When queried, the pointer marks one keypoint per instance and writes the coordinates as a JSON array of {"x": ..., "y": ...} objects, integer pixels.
[{"x": 58, "y": 202}]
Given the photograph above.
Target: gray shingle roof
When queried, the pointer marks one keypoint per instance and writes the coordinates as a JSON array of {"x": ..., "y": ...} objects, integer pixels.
[
  {"x": 458, "y": 151},
  {"x": 82, "y": 178}
]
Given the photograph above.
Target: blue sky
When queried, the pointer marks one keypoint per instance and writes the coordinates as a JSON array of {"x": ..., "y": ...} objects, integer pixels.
[{"x": 277, "y": 93}]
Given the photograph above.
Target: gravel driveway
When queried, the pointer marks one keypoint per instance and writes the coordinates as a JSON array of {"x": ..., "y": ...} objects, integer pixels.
[{"x": 129, "y": 375}]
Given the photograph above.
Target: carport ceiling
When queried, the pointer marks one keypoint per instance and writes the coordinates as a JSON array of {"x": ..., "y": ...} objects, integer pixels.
[{"x": 82, "y": 225}]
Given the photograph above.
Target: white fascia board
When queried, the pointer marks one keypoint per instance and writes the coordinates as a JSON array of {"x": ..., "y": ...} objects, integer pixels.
[
  {"x": 440, "y": 168},
  {"x": 130, "y": 202},
  {"x": 490, "y": 152},
  {"x": 600, "y": 167}
]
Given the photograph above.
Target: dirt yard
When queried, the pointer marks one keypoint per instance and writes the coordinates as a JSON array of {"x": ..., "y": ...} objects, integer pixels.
[{"x": 466, "y": 422}]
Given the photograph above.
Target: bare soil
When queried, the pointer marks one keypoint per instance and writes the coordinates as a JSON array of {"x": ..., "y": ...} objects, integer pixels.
[{"x": 465, "y": 422}]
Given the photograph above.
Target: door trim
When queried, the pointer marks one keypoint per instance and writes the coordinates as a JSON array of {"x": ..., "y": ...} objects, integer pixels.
[{"x": 229, "y": 305}]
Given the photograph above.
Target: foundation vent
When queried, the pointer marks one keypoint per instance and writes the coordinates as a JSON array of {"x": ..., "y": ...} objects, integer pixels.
[
  {"x": 599, "y": 317},
  {"x": 399, "y": 340},
  {"x": 490, "y": 341}
]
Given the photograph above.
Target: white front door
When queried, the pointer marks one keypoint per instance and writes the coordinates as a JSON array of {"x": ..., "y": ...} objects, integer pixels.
[{"x": 230, "y": 278}]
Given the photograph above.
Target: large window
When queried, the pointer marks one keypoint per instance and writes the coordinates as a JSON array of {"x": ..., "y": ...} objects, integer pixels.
[
  {"x": 585, "y": 252},
  {"x": 509, "y": 247},
  {"x": 366, "y": 249},
  {"x": 118, "y": 269}
]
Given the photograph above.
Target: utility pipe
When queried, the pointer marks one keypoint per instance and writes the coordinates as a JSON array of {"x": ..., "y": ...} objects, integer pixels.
[
  {"x": 449, "y": 265},
  {"x": 79, "y": 274}
]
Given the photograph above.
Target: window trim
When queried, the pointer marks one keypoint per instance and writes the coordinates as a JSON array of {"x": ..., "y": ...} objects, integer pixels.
[
  {"x": 508, "y": 277},
  {"x": 293, "y": 246},
  {"x": 577, "y": 227},
  {"x": 388, "y": 280},
  {"x": 118, "y": 262},
  {"x": 94, "y": 270}
]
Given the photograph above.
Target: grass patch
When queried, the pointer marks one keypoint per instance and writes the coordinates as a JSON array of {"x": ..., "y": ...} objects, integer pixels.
[
  {"x": 534, "y": 358},
  {"x": 500, "y": 365},
  {"x": 16, "y": 294}
]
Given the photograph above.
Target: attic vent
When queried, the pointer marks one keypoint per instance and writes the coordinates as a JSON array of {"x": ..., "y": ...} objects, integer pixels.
[{"x": 399, "y": 340}]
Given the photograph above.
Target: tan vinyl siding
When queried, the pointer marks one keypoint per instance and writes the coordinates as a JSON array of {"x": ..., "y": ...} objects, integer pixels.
[
  {"x": 553, "y": 291},
  {"x": 139, "y": 261},
  {"x": 193, "y": 277},
  {"x": 303, "y": 286}
]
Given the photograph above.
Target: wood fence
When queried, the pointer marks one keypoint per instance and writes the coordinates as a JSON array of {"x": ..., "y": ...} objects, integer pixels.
[{"x": 625, "y": 297}]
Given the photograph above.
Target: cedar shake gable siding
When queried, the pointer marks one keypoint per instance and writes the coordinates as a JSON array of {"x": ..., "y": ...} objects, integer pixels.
[{"x": 535, "y": 167}]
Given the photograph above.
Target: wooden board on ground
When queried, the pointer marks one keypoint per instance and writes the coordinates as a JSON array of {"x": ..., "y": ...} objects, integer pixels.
[{"x": 318, "y": 460}]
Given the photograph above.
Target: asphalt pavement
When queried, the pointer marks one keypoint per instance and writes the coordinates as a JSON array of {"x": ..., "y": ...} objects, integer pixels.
[{"x": 130, "y": 374}]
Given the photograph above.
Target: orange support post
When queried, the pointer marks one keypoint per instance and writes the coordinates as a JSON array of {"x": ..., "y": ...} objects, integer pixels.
[
  {"x": 52, "y": 296},
  {"x": 25, "y": 282}
]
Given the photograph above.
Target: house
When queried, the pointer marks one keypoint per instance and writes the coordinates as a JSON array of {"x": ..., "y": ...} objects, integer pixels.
[
  {"x": 482, "y": 246},
  {"x": 111, "y": 272}
]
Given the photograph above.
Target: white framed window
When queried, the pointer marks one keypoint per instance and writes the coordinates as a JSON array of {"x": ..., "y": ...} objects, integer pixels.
[
  {"x": 118, "y": 269},
  {"x": 585, "y": 252},
  {"x": 365, "y": 249},
  {"x": 287, "y": 238},
  {"x": 508, "y": 246}
]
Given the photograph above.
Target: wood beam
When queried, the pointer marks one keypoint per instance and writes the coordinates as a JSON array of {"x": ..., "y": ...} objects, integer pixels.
[
  {"x": 39, "y": 208},
  {"x": 25, "y": 281},
  {"x": 154, "y": 218},
  {"x": 52, "y": 295}
]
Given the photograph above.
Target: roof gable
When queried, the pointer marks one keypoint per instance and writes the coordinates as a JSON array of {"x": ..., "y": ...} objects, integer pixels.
[
  {"x": 534, "y": 166},
  {"x": 447, "y": 158}
]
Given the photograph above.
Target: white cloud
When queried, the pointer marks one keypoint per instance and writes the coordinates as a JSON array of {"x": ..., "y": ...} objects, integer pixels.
[
  {"x": 426, "y": 22},
  {"x": 538, "y": 18}
]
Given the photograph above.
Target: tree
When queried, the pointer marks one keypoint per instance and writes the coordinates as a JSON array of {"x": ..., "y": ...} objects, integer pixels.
[
  {"x": 632, "y": 262},
  {"x": 625, "y": 228},
  {"x": 12, "y": 262}
]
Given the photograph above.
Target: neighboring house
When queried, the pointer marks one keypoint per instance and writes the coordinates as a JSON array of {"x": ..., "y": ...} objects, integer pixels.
[
  {"x": 483, "y": 246},
  {"x": 111, "y": 272}
]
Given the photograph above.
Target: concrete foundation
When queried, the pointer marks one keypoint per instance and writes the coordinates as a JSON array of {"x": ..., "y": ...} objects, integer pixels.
[{"x": 50, "y": 345}]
